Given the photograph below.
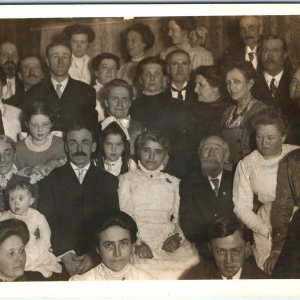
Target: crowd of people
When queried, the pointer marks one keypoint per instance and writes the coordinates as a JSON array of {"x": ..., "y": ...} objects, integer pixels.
[{"x": 175, "y": 166}]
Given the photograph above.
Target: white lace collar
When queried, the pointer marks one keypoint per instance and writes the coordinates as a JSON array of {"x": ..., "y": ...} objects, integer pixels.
[
  {"x": 154, "y": 173},
  {"x": 38, "y": 148},
  {"x": 112, "y": 275}
]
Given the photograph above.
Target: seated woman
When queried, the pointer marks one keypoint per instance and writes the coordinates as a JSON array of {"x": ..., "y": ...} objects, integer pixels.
[
  {"x": 151, "y": 198},
  {"x": 115, "y": 238},
  {"x": 14, "y": 236},
  {"x": 236, "y": 121},
  {"x": 256, "y": 178},
  {"x": 118, "y": 95},
  {"x": 41, "y": 152},
  {"x": 179, "y": 29},
  {"x": 139, "y": 38}
]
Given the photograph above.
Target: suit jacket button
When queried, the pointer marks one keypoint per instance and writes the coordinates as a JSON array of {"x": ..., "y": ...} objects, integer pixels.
[{"x": 216, "y": 215}]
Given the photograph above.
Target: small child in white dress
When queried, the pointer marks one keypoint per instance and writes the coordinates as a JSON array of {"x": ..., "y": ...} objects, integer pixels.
[
  {"x": 151, "y": 197},
  {"x": 114, "y": 149},
  {"x": 115, "y": 237},
  {"x": 38, "y": 250}
]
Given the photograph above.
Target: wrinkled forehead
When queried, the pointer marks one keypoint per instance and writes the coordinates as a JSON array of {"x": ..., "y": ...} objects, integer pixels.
[
  {"x": 82, "y": 134},
  {"x": 152, "y": 67},
  {"x": 59, "y": 49},
  {"x": 213, "y": 142},
  {"x": 32, "y": 60},
  {"x": 249, "y": 21},
  {"x": 8, "y": 47},
  {"x": 179, "y": 57}
]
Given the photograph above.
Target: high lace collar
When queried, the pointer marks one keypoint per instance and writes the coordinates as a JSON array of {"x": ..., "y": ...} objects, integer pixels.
[
  {"x": 110, "y": 274},
  {"x": 154, "y": 173},
  {"x": 38, "y": 148}
]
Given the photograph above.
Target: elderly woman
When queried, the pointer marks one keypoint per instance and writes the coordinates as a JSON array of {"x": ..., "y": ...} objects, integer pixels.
[
  {"x": 80, "y": 38},
  {"x": 236, "y": 121},
  {"x": 179, "y": 29},
  {"x": 118, "y": 95},
  {"x": 14, "y": 236},
  {"x": 256, "y": 179},
  {"x": 139, "y": 39}
]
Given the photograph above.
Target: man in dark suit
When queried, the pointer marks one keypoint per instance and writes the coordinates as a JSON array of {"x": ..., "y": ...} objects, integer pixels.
[
  {"x": 9, "y": 58},
  {"x": 273, "y": 79},
  {"x": 70, "y": 98},
  {"x": 73, "y": 197},
  {"x": 206, "y": 194},
  {"x": 179, "y": 68},
  {"x": 251, "y": 28},
  {"x": 229, "y": 244}
]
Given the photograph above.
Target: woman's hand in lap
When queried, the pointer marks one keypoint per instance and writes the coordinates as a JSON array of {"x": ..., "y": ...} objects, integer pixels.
[
  {"x": 172, "y": 243},
  {"x": 143, "y": 250},
  {"x": 271, "y": 262}
]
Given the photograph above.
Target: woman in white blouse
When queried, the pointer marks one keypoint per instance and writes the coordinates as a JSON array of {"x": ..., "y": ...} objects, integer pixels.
[{"x": 256, "y": 178}]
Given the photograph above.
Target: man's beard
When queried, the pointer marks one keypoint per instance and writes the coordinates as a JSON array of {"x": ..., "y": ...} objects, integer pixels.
[
  {"x": 211, "y": 167},
  {"x": 10, "y": 68}
]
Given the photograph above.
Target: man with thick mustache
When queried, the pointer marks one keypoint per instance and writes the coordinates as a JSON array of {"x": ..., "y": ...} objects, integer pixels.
[
  {"x": 273, "y": 79},
  {"x": 230, "y": 247},
  {"x": 251, "y": 28},
  {"x": 206, "y": 194},
  {"x": 74, "y": 196},
  {"x": 9, "y": 58}
]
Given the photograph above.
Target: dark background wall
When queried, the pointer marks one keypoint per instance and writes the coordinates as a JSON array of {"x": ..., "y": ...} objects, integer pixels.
[{"x": 32, "y": 35}]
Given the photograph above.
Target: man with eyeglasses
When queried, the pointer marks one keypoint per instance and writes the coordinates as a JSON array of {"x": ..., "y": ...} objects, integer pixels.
[{"x": 71, "y": 98}]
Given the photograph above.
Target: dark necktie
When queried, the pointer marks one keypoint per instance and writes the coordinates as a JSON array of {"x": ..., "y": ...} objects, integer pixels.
[
  {"x": 251, "y": 56},
  {"x": 180, "y": 95},
  {"x": 1, "y": 123},
  {"x": 215, "y": 182},
  {"x": 273, "y": 87}
]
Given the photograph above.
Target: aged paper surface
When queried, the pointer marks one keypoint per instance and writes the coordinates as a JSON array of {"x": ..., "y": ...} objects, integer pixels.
[{"x": 158, "y": 289}]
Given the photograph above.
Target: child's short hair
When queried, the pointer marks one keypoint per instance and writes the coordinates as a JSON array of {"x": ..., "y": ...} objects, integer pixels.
[
  {"x": 116, "y": 218},
  {"x": 114, "y": 128},
  {"x": 154, "y": 136},
  {"x": 22, "y": 184}
]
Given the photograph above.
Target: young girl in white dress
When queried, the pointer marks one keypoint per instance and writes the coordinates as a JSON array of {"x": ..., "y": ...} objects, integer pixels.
[
  {"x": 39, "y": 257},
  {"x": 151, "y": 197},
  {"x": 114, "y": 150},
  {"x": 115, "y": 238},
  {"x": 41, "y": 151}
]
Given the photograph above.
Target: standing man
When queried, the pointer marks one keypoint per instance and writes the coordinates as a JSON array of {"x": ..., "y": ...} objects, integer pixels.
[
  {"x": 70, "y": 98},
  {"x": 206, "y": 194},
  {"x": 251, "y": 28},
  {"x": 273, "y": 79},
  {"x": 9, "y": 58},
  {"x": 75, "y": 195},
  {"x": 179, "y": 70}
]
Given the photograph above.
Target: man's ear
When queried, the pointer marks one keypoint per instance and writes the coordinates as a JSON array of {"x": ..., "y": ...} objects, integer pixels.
[
  {"x": 66, "y": 148},
  {"x": 251, "y": 83},
  {"x": 94, "y": 146},
  {"x": 47, "y": 61},
  {"x": 283, "y": 138},
  {"x": 248, "y": 251},
  {"x": 20, "y": 76},
  {"x": 97, "y": 250},
  {"x": 209, "y": 247}
]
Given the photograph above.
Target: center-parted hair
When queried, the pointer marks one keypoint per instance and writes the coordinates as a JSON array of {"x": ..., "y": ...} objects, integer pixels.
[
  {"x": 116, "y": 218},
  {"x": 40, "y": 108},
  {"x": 271, "y": 116},
  {"x": 113, "y": 128},
  {"x": 226, "y": 226},
  {"x": 154, "y": 136},
  {"x": 12, "y": 227}
]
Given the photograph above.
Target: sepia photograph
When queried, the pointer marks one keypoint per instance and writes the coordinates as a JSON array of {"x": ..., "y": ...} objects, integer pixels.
[{"x": 149, "y": 150}]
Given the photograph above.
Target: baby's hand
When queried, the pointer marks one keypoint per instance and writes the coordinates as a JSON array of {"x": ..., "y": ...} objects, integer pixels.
[{"x": 172, "y": 243}]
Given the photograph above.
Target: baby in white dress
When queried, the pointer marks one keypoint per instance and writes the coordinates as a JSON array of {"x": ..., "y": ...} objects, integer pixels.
[{"x": 38, "y": 250}]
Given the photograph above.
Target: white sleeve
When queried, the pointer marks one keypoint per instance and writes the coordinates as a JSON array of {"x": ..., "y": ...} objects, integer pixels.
[
  {"x": 243, "y": 200},
  {"x": 44, "y": 228}
]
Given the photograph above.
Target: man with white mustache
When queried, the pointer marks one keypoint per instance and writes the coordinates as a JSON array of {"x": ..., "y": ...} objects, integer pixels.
[{"x": 206, "y": 194}]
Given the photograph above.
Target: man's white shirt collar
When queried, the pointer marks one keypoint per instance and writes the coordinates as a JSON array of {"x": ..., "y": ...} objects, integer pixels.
[
  {"x": 63, "y": 83},
  {"x": 218, "y": 177},
  {"x": 247, "y": 58},
  {"x": 269, "y": 78},
  {"x": 236, "y": 276}
]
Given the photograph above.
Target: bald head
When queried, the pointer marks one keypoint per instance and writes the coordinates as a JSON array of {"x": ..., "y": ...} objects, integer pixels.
[
  {"x": 9, "y": 58},
  {"x": 213, "y": 152},
  {"x": 250, "y": 30}
]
